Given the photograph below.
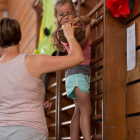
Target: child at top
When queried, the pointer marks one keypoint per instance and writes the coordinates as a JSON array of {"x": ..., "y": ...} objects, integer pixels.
[{"x": 77, "y": 78}]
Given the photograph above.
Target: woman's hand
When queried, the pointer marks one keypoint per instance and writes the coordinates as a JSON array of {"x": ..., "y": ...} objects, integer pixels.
[
  {"x": 47, "y": 104},
  {"x": 68, "y": 31}
]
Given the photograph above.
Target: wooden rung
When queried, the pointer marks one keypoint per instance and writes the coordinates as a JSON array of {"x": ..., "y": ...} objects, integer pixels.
[
  {"x": 99, "y": 67},
  {"x": 50, "y": 112},
  {"x": 51, "y": 86},
  {"x": 97, "y": 137},
  {"x": 65, "y": 138},
  {"x": 93, "y": 137},
  {"x": 68, "y": 138},
  {"x": 83, "y": 1},
  {"x": 52, "y": 138},
  {"x": 97, "y": 117},
  {"x": 36, "y": 2},
  {"x": 97, "y": 59},
  {"x": 98, "y": 21},
  {"x": 96, "y": 79},
  {"x": 97, "y": 97},
  {"x": 38, "y": 6},
  {"x": 51, "y": 125},
  {"x": 96, "y": 8},
  {"x": 63, "y": 80},
  {"x": 75, "y": 1},
  {"x": 68, "y": 107},
  {"x": 66, "y": 123},
  {"x": 97, "y": 41},
  {"x": 51, "y": 99},
  {"x": 64, "y": 94}
]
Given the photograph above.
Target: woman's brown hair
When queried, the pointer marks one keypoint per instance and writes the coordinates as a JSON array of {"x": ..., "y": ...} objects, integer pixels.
[
  {"x": 54, "y": 39},
  {"x": 10, "y": 32}
]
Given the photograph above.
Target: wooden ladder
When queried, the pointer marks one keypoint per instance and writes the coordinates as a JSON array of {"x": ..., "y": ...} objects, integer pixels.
[{"x": 108, "y": 65}]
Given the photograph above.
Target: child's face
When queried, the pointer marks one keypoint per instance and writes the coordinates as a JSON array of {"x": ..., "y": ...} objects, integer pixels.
[{"x": 63, "y": 10}]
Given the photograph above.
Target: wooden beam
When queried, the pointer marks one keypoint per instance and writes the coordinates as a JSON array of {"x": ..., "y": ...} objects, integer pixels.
[
  {"x": 58, "y": 105},
  {"x": 114, "y": 93}
]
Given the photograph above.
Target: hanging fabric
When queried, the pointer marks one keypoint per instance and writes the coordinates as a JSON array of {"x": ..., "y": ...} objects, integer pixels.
[
  {"x": 47, "y": 27},
  {"x": 118, "y": 7}
]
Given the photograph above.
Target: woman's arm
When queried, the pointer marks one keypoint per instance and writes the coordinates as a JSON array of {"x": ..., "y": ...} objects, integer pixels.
[{"x": 39, "y": 64}]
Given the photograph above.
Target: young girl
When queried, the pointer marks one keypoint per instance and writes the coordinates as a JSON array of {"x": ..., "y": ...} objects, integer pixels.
[{"x": 77, "y": 78}]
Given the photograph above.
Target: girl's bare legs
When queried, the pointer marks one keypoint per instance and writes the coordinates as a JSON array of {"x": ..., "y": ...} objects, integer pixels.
[
  {"x": 75, "y": 122},
  {"x": 85, "y": 108}
]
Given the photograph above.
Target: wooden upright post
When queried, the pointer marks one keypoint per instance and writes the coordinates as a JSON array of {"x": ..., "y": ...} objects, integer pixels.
[
  {"x": 57, "y": 106},
  {"x": 114, "y": 100}
]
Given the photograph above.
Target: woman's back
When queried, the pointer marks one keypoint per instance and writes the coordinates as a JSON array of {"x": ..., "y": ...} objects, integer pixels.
[{"x": 21, "y": 96}]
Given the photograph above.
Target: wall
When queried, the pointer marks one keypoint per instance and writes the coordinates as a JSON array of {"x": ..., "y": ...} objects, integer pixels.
[
  {"x": 23, "y": 11},
  {"x": 3, "y": 7},
  {"x": 133, "y": 81}
]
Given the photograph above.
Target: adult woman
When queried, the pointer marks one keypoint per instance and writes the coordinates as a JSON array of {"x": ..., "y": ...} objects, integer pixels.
[{"x": 21, "y": 89}]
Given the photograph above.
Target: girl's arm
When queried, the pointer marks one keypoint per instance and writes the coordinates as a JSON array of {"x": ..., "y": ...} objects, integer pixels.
[
  {"x": 84, "y": 42},
  {"x": 39, "y": 64},
  {"x": 88, "y": 29}
]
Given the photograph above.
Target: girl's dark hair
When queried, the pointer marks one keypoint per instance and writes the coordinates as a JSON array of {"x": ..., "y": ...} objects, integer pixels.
[
  {"x": 10, "y": 32},
  {"x": 54, "y": 39}
]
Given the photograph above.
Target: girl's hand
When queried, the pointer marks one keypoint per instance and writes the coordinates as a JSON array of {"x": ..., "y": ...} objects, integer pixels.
[
  {"x": 68, "y": 30},
  {"x": 92, "y": 23},
  {"x": 74, "y": 21},
  {"x": 47, "y": 104}
]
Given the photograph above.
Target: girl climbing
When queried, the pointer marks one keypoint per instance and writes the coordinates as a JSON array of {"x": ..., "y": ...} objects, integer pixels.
[{"x": 77, "y": 78}]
